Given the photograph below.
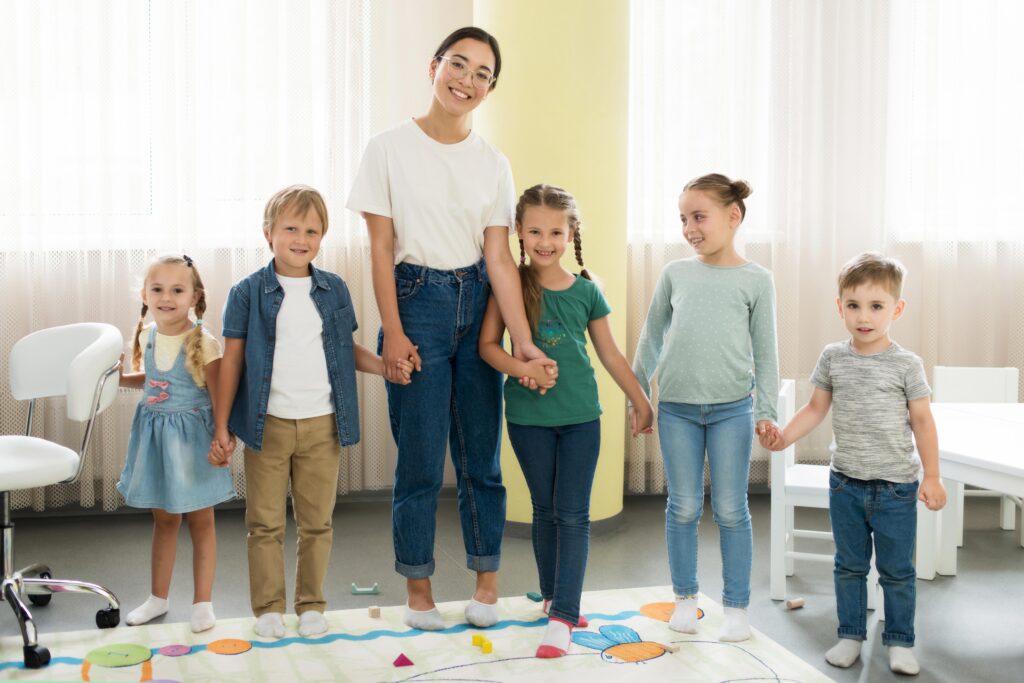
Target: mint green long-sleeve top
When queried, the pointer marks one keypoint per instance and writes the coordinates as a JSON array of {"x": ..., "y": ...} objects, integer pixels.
[{"x": 709, "y": 336}]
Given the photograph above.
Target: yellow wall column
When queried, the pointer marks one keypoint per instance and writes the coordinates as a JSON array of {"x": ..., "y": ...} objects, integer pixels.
[{"x": 560, "y": 115}]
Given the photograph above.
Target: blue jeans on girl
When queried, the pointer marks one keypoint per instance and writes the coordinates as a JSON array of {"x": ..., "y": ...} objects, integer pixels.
[
  {"x": 887, "y": 511},
  {"x": 559, "y": 465},
  {"x": 725, "y": 431},
  {"x": 455, "y": 400}
]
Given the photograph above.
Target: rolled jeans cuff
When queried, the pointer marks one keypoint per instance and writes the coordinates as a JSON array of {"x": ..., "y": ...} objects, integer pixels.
[
  {"x": 483, "y": 563},
  {"x": 419, "y": 571}
]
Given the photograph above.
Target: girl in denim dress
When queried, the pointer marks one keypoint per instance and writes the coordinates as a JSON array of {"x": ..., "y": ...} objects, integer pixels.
[{"x": 166, "y": 468}]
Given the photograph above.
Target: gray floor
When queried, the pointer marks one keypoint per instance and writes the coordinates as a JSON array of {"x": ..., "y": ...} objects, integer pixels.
[{"x": 968, "y": 627}]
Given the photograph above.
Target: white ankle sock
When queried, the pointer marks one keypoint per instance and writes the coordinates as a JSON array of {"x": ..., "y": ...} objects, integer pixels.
[
  {"x": 480, "y": 614},
  {"x": 844, "y": 653},
  {"x": 270, "y": 625},
  {"x": 903, "y": 661},
  {"x": 147, "y": 611},
  {"x": 425, "y": 620},
  {"x": 203, "y": 618},
  {"x": 684, "y": 617},
  {"x": 736, "y": 626},
  {"x": 312, "y": 623},
  {"x": 556, "y": 640}
]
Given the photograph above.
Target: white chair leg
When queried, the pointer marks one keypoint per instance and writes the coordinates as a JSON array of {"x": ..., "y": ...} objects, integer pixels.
[
  {"x": 958, "y": 522},
  {"x": 1007, "y": 513},
  {"x": 790, "y": 525},
  {"x": 873, "y": 590},
  {"x": 777, "y": 560},
  {"x": 945, "y": 561},
  {"x": 927, "y": 542}
]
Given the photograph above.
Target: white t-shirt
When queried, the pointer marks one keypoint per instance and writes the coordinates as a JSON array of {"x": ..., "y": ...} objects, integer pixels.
[
  {"x": 440, "y": 197},
  {"x": 299, "y": 384},
  {"x": 168, "y": 346}
]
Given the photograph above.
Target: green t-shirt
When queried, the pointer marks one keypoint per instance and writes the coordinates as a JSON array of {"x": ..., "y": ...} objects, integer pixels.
[{"x": 561, "y": 335}]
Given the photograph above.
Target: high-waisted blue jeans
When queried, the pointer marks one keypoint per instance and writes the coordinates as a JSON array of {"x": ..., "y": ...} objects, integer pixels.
[
  {"x": 454, "y": 401},
  {"x": 725, "y": 432}
]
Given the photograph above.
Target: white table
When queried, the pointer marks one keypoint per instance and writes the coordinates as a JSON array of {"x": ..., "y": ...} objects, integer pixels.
[{"x": 980, "y": 444}]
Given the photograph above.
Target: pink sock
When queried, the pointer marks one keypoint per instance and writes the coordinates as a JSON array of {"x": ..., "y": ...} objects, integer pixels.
[{"x": 556, "y": 639}]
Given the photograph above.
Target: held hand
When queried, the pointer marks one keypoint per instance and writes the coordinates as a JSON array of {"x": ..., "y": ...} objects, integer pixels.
[
  {"x": 398, "y": 347},
  {"x": 542, "y": 373},
  {"x": 770, "y": 436},
  {"x": 222, "y": 448},
  {"x": 641, "y": 418},
  {"x": 405, "y": 369},
  {"x": 932, "y": 493}
]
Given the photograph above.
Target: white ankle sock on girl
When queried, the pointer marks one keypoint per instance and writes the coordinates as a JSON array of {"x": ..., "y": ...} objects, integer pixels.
[
  {"x": 556, "y": 639},
  {"x": 147, "y": 611},
  {"x": 684, "y": 617},
  {"x": 736, "y": 626}
]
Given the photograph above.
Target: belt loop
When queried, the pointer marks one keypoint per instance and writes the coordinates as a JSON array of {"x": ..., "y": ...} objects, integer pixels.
[{"x": 422, "y": 277}]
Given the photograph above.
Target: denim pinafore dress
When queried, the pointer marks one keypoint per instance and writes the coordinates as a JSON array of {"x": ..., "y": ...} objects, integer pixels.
[{"x": 166, "y": 467}]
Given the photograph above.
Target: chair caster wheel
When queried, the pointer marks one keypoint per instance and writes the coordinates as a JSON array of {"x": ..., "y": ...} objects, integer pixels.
[
  {"x": 108, "y": 617},
  {"x": 41, "y": 600},
  {"x": 36, "y": 656}
]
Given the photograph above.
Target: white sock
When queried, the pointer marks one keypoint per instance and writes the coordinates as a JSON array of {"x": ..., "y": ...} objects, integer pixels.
[
  {"x": 270, "y": 625},
  {"x": 844, "y": 653},
  {"x": 903, "y": 661},
  {"x": 147, "y": 611},
  {"x": 312, "y": 623},
  {"x": 425, "y": 620},
  {"x": 203, "y": 618},
  {"x": 480, "y": 614},
  {"x": 736, "y": 626},
  {"x": 684, "y": 617},
  {"x": 556, "y": 640}
]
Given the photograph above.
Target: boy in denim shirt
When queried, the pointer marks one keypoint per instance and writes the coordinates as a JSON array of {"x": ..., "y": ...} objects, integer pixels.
[
  {"x": 879, "y": 395},
  {"x": 288, "y": 390}
]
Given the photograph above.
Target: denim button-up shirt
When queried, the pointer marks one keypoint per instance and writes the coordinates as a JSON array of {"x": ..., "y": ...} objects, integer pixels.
[{"x": 250, "y": 313}]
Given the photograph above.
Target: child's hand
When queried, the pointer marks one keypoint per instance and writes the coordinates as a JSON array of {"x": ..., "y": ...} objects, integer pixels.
[
  {"x": 770, "y": 436},
  {"x": 932, "y": 493},
  {"x": 641, "y": 418},
  {"x": 542, "y": 374},
  {"x": 405, "y": 369},
  {"x": 221, "y": 448}
]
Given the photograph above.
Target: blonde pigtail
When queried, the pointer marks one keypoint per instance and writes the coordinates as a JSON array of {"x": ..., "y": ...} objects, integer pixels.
[
  {"x": 194, "y": 344},
  {"x": 136, "y": 346}
]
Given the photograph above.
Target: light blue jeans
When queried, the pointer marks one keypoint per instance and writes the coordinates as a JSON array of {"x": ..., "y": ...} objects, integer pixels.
[{"x": 725, "y": 431}]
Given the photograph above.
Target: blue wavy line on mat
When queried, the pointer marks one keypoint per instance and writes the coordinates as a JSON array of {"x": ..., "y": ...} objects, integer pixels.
[{"x": 372, "y": 635}]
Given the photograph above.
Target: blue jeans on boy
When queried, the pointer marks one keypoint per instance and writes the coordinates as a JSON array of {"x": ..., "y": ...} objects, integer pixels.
[
  {"x": 725, "y": 431},
  {"x": 559, "y": 465},
  {"x": 887, "y": 511},
  {"x": 455, "y": 399}
]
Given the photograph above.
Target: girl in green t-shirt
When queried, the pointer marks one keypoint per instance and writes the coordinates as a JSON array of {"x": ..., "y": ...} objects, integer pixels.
[{"x": 556, "y": 433}]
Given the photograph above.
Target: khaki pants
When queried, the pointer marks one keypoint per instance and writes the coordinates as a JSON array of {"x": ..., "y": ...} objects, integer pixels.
[{"x": 307, "y": 452}]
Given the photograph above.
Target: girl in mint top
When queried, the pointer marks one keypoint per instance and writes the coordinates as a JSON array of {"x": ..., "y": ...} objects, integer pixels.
[
  {"x": 555, "y": 432},
  {"x": 709, "y": 341}
]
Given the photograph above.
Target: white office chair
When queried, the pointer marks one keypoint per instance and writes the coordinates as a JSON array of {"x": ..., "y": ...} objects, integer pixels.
[
  {"x": 792, "y": 486},
  {"x": 79, "y": 362},
  {"x": 979, "y": 385}
]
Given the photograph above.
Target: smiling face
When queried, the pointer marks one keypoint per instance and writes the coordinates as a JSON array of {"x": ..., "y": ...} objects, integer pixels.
[
  {"x": 169, "y": 293},
  {"x": 545, "y": 233},
  {"x": 868, "y": 310},
  {"x": 459, "y": 94},
  {"x": 708, "y": 226},
  {"x": 295, "y": 241}
]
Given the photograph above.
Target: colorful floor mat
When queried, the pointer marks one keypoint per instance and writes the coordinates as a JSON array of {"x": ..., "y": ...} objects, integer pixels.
[{"x": 628, "y": 640}]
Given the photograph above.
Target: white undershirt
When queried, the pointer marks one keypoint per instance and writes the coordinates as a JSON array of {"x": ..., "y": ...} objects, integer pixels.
[{"x": 299, "y": 384}]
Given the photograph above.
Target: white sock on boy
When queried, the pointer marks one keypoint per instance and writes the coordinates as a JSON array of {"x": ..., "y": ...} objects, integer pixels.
[
  {"x": 312, "y": 623},
  {"x": 844, "y": 653},
  {"x": 684, "y": 617},
  {"x": 270, "y": 625},
  {"x": 147, "y": 611},
  {"x": 736, "y": 626},
  {"x": 903, "y": 661},
  {"x": 203, "y": 618}
]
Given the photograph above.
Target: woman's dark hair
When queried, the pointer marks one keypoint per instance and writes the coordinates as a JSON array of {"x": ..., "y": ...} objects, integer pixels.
[{"x": 473, "y": 33}]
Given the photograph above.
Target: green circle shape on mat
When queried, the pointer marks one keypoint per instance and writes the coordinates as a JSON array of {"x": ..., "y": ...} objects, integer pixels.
[{"x": 119, "y": 654}]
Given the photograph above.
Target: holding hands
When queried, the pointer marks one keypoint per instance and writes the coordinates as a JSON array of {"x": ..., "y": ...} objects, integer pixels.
[
  {"x": 770, "y": 436},
  {"x": 641, "y": 418}
]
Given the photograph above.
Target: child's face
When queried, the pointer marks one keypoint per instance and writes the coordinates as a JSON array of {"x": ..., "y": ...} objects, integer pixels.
[
  {"x": 868, "y": 310},
  {"x": 545, "y": 234},
  {"x": 295, "y": 241},
  {"x": 708, "y": 226},
  {"x": 169, "y": 294},
  {"x": 460, "y": 95}
]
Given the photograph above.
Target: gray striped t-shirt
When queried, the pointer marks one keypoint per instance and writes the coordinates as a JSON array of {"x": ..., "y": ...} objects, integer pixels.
[{"x": 870, "y": 418}]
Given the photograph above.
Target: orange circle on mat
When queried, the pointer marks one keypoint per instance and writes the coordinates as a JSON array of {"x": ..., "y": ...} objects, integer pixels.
[
  {"x": 229, "y": 646},
  {"x": 662, "y": 611}
]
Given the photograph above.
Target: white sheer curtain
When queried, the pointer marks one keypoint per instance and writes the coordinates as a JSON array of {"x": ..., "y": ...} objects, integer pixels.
[
  {"x": 132, "y": 128},
  {"x": 861, "y": 125}
]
